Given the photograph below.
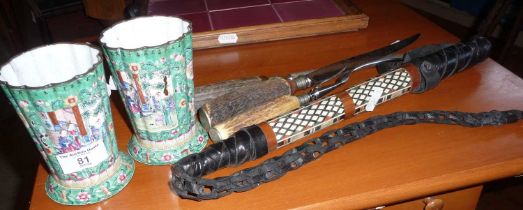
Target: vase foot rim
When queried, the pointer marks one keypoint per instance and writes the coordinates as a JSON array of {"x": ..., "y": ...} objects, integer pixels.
[
  {"x": 92, "y": 194},
  {"x": 167, "y": 156}
]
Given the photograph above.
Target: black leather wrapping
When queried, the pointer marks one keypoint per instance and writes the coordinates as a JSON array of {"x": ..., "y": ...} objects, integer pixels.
[
  {"x": 245, "y": 145},
  {"x": 450, "y": 60},
  {"x": 409, "y": 56}
]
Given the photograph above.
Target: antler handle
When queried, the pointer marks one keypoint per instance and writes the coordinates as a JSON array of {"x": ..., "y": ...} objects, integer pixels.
[
  {"x": 241, "y": 100},
  {"x": 204, "y": 94}
]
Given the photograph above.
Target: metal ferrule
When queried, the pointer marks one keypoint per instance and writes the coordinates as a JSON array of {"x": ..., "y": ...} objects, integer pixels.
[
  {"x": 316, "y": 94},
  {"x": 304, "y": 99},
  {"x": 302, "y": 82}
]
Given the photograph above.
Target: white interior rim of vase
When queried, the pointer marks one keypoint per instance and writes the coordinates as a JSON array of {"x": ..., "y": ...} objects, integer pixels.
[
  {"x": 144, "y": 32},
  {"x": 50, "y": 64}
]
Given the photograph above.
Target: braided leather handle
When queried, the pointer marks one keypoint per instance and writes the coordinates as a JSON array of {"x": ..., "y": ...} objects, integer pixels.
[
  {"x": 245, "y": 145},
  {"x": 450, "y": 60}
]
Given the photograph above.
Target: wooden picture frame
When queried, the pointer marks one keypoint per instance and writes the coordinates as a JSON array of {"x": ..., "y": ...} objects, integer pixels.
[{"x": 353, "y": 20}]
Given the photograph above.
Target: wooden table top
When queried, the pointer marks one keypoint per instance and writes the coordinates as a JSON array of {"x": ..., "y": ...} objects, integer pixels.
[{"x": 390, "y": 166}]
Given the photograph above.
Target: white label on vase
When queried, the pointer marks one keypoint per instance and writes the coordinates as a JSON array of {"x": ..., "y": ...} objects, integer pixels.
[
  {"x": 89, "y": 156},
  {"x": 375, "y": 96},
  {"x": 228, "y": 38}
]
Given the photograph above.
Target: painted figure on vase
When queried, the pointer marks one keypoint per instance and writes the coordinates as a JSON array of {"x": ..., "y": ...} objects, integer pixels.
[{"x": 150, "y": 98}]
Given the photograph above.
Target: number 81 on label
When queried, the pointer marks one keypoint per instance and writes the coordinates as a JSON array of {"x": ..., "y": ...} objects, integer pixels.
[{"x": 89, "y": 156}]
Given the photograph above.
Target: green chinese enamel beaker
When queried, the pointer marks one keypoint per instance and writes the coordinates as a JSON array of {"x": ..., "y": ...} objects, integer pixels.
[
  {"x": 151, "y": 63},
  {"x": 60, "y": 93}
]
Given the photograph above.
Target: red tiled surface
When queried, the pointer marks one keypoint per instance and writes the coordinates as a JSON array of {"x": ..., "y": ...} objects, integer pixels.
[
  {"x": 220, "y": 14},
  {"x": 176, "y": 7},
  {"x": 243, "y": 17},
  {"x": 302, "y": 10},
  {"x": 229, "y": 4},
  {"x": 200, "y": 21},
  {"x": 281, "y": 1}
]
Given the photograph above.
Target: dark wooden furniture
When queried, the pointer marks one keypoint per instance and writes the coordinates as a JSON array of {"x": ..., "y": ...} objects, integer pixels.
[
  {"x": 9, "y": 32},
  {"x": 402, "y": 168},
  {"x": 498, "y": 15},
  {"x": 41, "y": 10}
]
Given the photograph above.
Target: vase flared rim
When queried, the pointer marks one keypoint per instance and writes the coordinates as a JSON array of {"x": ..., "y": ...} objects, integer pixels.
[
  {"x": 167, "y": 43},
  {"x": 53, "y": 84}
]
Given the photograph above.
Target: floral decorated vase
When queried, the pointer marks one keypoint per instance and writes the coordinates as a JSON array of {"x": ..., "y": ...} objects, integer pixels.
[
  {"x": 60, "y": 93},
  {"x": 151, "y": 62}
]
